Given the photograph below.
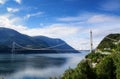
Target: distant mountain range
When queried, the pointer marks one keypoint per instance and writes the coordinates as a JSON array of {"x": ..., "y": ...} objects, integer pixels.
[{"x": 8, "y": 36}]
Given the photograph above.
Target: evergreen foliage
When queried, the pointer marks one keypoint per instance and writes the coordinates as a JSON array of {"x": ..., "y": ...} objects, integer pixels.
[
  {"x": 95, "y": 57},
  {"x": 82, "y": 71},
  {"x": 107, "y": 67}
]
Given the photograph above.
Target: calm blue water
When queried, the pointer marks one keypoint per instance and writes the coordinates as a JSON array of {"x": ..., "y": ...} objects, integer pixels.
[{"x": 37, "y": 66}]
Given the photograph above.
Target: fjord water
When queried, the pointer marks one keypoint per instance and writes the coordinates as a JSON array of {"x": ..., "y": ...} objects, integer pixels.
[{"x": 37, "y": 66}]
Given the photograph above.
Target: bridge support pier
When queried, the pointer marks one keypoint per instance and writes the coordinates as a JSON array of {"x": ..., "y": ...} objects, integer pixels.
[{"x": 13, "y": 48}]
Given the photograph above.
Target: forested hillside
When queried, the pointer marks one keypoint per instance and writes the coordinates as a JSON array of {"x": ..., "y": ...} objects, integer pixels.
[{"x": 98, "y": 65}]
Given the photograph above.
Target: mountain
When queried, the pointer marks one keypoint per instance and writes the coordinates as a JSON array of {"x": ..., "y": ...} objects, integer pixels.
[
  {"x": 56, "y": 43},
  {"x": 8, "y": 36},
  {"x": 109, "y": 42}
]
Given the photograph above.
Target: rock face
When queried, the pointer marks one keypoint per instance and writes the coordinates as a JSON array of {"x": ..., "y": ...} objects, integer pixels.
[
  {"x": 8, "y": 36},
  {"x": 109, "y": 42}
]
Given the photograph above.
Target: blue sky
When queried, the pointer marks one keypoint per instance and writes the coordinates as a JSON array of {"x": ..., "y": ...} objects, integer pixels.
[{"x": 70, "y": 20}]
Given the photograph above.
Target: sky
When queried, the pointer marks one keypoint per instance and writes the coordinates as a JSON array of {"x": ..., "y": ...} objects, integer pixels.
[{"x": 69, "y": 20}]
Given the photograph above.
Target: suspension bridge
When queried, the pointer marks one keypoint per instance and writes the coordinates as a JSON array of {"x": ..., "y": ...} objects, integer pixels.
[
  {"x": 54, "y": 48},
  {"x": 51, "y": 48}
]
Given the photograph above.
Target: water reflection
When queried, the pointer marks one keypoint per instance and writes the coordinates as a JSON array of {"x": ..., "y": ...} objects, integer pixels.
[
  {"x": 37, "y": 66},
  {"x": 21, "y": 62}
]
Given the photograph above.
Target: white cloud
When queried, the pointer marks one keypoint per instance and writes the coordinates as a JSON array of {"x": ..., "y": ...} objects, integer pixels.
[
  {"x": 90, "y": 18},
  {"x": 78, "y": 18},
  {"x": 103, "y": 18},
  {"x": 111, "y": 5},
  {"x": 8, "y": 22},
  {"x": 67, "y": 19},
  {"x": 31, "y": 15},
  {"x": 18, "y": 1},
  {"x": 12, "y": 9},
  {"x": 2, "y": 1},
  {"x": 54, "y": 30}
]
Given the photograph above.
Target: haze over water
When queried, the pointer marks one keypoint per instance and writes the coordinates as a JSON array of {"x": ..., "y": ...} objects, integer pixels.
[{"x": 37, "y": 66}]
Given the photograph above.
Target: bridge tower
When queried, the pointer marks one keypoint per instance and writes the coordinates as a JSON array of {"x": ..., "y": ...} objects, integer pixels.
[
  {"x": 91, "y": 41},
  {"x": 13, "y": 47}
]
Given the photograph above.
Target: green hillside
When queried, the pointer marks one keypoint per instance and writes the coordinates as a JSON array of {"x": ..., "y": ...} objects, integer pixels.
[
  {"x": 98, "y": 65},
  {"x": 109, "y": 43}
]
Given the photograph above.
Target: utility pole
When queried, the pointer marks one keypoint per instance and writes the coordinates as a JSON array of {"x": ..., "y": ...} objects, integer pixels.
[{"x": 91, "y": 41}]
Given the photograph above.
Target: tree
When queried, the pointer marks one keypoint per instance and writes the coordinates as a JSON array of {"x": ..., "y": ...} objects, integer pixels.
[
  {"x": 105, "y": 69},
  {"x": 82, "y": 71},
  {"x": 116, "y": 57}
]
